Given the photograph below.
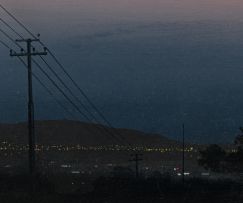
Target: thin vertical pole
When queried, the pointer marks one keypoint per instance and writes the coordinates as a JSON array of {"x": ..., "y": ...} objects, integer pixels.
[
  {"x": 136, "y": 162},
  {"x": 28, "y": 53},
  {"x": 183, "y": 153},
  {"x": 30, "y": 113}
]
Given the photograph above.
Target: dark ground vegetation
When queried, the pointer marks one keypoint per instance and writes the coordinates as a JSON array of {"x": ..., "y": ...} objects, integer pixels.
[{"x": 123, "y": 188}]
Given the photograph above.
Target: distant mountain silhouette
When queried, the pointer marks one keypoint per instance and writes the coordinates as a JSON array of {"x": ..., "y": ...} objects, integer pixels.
[{"x": 75, "y": 132}]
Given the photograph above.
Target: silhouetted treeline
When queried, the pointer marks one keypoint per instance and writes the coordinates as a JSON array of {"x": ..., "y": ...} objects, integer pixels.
[{"x": 216, "y": 159}]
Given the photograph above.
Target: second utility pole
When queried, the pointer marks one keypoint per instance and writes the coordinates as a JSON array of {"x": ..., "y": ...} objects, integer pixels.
[
  {"x": 183, "y": 153},
  {"x": 136, "y": 158},
  {"x": 31, "y": 125}
]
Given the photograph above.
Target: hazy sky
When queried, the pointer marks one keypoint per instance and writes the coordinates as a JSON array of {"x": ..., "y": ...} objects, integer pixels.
[{"x": 147, "y": 64}]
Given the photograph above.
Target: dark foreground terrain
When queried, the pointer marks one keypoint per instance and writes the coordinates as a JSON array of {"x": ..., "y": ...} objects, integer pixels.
[{"x": 121, "y": 187}]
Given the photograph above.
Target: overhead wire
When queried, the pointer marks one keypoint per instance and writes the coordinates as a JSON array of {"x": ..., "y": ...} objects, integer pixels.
[
  {"x": 101, "y": 127},
  {"x": 51, "y": 69},
  {"x": 67, "y": 74},
  {"x": 41, "y": 83}
]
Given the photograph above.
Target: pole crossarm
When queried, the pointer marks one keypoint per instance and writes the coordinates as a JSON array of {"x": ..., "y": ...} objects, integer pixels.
[
  {"x": 25, "y": 40},
  {"x": 17, "y": 54},
  {"x": 28, "y": 52}
]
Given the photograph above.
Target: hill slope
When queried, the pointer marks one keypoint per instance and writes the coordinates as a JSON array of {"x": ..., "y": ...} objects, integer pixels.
[{"x": 74, "y": 132}]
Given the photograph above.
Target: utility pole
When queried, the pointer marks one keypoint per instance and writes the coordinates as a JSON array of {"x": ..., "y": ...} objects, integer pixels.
[
  {"x": 31, "y": 125},
  {"x": 183, "y": 153},
  {"x": 136, "y": 158}
]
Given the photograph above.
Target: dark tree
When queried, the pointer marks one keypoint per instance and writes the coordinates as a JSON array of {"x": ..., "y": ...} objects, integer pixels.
[
  {"x": 239, "y": 139},
  {"x": 212, "y": 158},
  {"x": 234, "y": 161}
]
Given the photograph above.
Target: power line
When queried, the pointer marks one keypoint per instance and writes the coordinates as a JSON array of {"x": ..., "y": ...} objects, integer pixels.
[
  {"x": 52, "y": 70},
  {"x": 41, "y": 70},
  {"x": 67, "y": 74},
  {"x": 12, "y": 16},
  {"x": 10, "y": 27},
  {"x": 49, "y": 91},
  {"x": 75, "y": 106},
  {"x": 10, "y": 38},
  {"x": 46, "y": 74},
  {"x": 63, "y": 93},
  {"x": 86, "y": 97},
  {"x": 53, "y": 82},
  {"x": 68, "y": 98},
  {"x": 40, "y": 82},
  {"x": 68, "y": 89},
  {"x": 5, "y": 45}
]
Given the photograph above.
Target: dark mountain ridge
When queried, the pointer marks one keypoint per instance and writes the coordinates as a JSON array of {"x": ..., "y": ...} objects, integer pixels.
[{"x": 67, "y": 132}]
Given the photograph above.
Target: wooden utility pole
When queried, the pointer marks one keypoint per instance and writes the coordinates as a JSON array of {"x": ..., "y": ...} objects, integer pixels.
[
  {"x": 136, "y": 158},
  {"x": 183, "y": 153},
  {"x": 31, "y": 125}
]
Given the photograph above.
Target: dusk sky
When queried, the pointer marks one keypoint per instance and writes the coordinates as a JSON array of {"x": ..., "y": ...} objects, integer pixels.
[{"x": 148, "y": 64}]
